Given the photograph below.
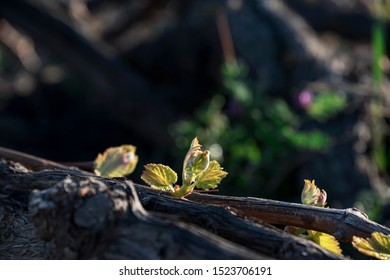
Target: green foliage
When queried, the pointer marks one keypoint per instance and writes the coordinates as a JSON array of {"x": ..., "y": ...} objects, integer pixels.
[
  {"x": 379, "y": 154},
  {"x": 377, "y": 246},
  {"x": 379, "y": 47},
  {"x": 116, "y": 161},
  {"x": 233, "y": 74},
  {"x": 260, "y": 135},
  {"x": 159, "y": 176},
  {"x": 312, "y": 141},
  {"x": 195, "y": 162},
  {"x": 212, "y": 177},
  {"x": 326, "y": 104},
  {"x": 380, "y": 10},
  {"x": 198, "y": 171}
]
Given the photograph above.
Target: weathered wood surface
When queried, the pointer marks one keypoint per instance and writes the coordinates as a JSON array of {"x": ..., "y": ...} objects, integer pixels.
[
  {"x": 341, "y": 223},
  {"x": 67, "y": 213},
  {"x": 72, "y": 214}
]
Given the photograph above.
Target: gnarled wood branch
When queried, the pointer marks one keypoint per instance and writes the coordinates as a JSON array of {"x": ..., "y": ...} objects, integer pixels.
[
  {"x": 76, "y": 214},
  {"x": 342, "y": 223},
  {"x": 240, "y": 220}
]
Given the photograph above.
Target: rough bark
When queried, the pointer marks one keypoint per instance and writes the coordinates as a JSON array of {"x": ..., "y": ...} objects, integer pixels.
[
  {"x": 341, "y": 223},
  {"x": 77, "y": 216},
  {"x": 72, "y": 214}
]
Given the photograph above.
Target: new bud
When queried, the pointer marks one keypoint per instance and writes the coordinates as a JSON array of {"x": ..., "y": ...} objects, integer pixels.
[
  {"x": 321, "y": 202},
  {"x": 311, "y": 195}
]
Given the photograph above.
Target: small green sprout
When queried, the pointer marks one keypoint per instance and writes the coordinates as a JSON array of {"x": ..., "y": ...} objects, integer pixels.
[
  {"x": 198, "y": 171},
  {"x": 116, "y": 161},
  {"x": 378, "y": 245},
  {"x": 312, "y": 195}
]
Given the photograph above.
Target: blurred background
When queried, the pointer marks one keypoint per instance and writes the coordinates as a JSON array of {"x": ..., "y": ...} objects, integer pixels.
[{"x": 278, "y": 90}]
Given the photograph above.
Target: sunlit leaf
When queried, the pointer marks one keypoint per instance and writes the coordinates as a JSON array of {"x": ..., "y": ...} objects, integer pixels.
[
  {"x": 211, "y": 177},
  {"x": 201, "y": 162},
  {"x": 159, "y": 176},
  {"x": 326, "y": 241},
  {"x": 311, "y": 195},
  {"x": 116, "y": 161},
  {"x": 377, "y": 246},
  {"x": 192, "y": 154}
]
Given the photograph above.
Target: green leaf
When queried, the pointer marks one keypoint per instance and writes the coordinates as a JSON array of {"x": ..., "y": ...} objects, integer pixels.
[
  {"x": 211, "y": 177},
  {"x": 193, "y": 153},
  {"x": 377, "y": 246},
  {"x": 326, "y": 105},
  {"x": 159, "y": 176},
  {"x": 311, "y": 195},
  {"x": 201, "y": 162},
  {"x": 379, "y": 47},
  {"x": 326, "y": 241},
  {"x": 116, "y": 161}
]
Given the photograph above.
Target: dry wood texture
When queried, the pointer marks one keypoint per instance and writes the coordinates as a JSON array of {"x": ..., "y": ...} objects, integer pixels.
[
  {"x": 63, "y": 212},
  {"x": 68, "y": 213}
]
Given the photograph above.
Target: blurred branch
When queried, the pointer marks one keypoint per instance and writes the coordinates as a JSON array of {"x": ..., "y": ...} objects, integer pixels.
[
  {"x": 349, "y": 19},
  {"x": 105, "y": 75},
  {"x": 36, "y": 163},
  {"x": 21, "y": 46},
  {"x": 225, "y": 37},
  {"x": 29, "y": 161},
  {"x": 297, "y": 36},
  {"x": 127, "y": 93}
]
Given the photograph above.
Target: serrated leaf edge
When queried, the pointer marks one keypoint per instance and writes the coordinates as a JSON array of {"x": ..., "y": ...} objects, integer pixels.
[
  {"x": 162, "y": 172},
  {"x": 217, "y": 169}
]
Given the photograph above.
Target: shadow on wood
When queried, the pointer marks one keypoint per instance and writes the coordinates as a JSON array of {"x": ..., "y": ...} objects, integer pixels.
[{"x": 72, "y": 214}]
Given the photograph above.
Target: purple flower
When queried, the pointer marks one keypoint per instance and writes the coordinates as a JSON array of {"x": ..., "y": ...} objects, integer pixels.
[{"x": 305, "y": 98}]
